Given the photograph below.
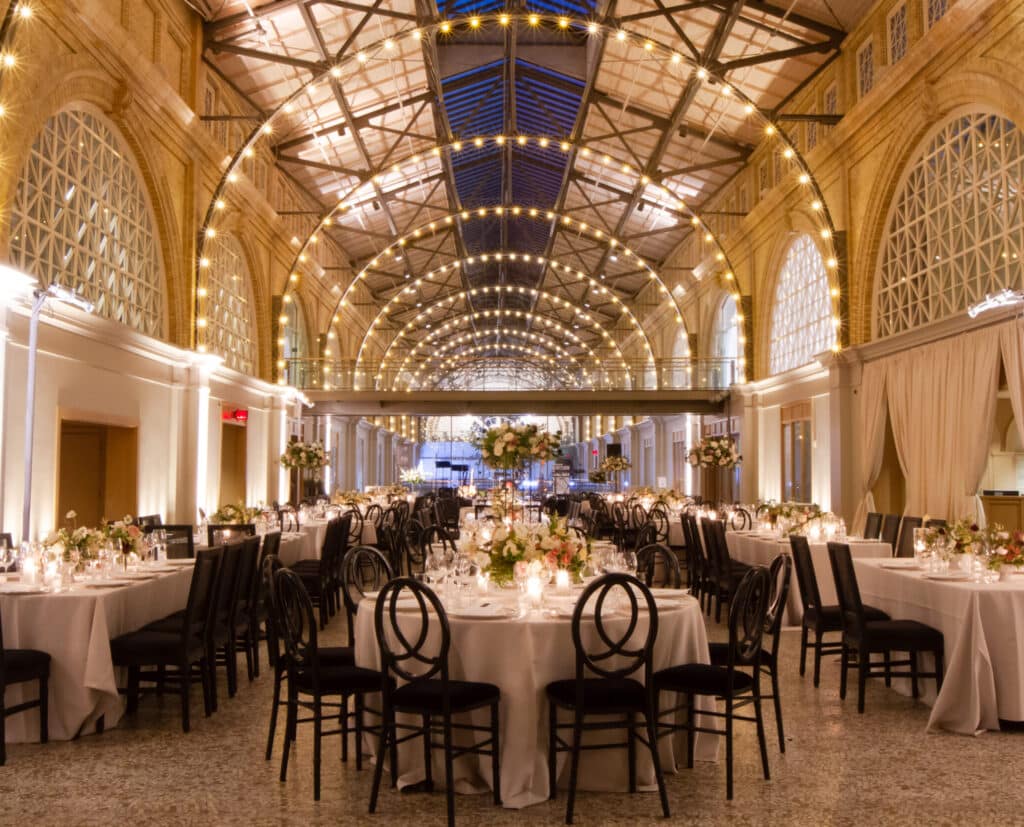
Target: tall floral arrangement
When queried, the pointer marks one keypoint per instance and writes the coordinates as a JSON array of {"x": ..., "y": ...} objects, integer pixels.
[
  {"x": 305, "y": 456},
  {"x": 413, "y": 476},
  {"x": 613, "y": 465},
  {"x": 715, "y": 452},
  {"x": 507, "y": 446},
  {"x": 796, "y": 514}
]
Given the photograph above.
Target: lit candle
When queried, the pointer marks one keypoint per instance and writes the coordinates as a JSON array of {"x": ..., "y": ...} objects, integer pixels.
[
  {"x": 30, "y": 570},
  {"x": 562, "y": 584},
  {"x": 830, "y": 531},
  {"x": 534, "y": 591},
  {"x": 814, "y": 533},
  {"x": 483, "y": 582},
  {"x": 51, "y": 572}
]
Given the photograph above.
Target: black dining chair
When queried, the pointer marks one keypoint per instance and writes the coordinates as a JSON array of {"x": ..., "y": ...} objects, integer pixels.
[
  {"x": 818, "y": 618},
  {"x": 905, "y": 541},
  {"x": 779, "y": 573},
  {"x": 725, "y": 573},
  {"x": 427, "y": 690},
  {"x": 23, "y": 666},
  {"x": 935, "y": 522},
  {"x": 872, "y": 525},
  {"x": 180, "y": 539},
  {"x": 179, "y": 643},
  {"x": 890, "y": 529},
  {"x": 605, "y": 684},
  {"x": 318, "y": 575},
  {"x": 658, "y": 565},
  {"x": 245, "y": 603},
  {"x": 149, "y": 521},
  {"x": 737, "y": 682},
  {"x": 863, "y": 637},
  {"x": 311, "y": 680},
  {"x": 696, "y": 562}
]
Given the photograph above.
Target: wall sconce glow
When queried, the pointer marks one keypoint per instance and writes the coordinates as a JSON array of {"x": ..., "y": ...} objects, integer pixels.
[{"x": 992, "y": 301}]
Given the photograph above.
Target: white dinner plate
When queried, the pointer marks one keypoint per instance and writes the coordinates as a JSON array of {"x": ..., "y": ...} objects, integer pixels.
[
  {"x": 181, "y": 561},
  {"x": 489, "y": 612},
  {"x": 952, "y": 576},
  {"x": 906, "y": 565},
  {"x": 677, "y": 593},
  {"x": 112, "y": 583}
]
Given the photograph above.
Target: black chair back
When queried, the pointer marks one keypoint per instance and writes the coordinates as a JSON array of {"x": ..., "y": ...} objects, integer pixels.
[
  {"x": 227, "y": 584},
  {"x": 806, "y": 580},
  {"x": 217, "y": 534},
  {"x": 779, "y": 573},
  {"x": 905, "y": 543},
  {"x": 740, "y": 520},
  {"x": 292, "y": 611},
  {"x": 149, "y": 521},
  {"x": 248, "y": 579},
  {"x": 180, "y": 540},
  {"x": 890, "y": 529},
  {"x": 270, "y": 565},
  {"x": 363, "y": 569},
  {"x": 747, "y": 613},
  {"x": 404, "y": 650},
  {"x": 621, "y": 650},
  {"x": 648, "y": 559},
  {"x": 201, "y": 593},
  {"x": 289, "y": 518},
  {"x": 872, "y": 525},
  {"x": 847, "y": 589},
  {"x": 658, "y": 517},
  {"x": 436, "y": 537},
  {"x": 354, "y": 535},
  {"x": 935, "y": 523},
  {"x": 374, "y": 514}
]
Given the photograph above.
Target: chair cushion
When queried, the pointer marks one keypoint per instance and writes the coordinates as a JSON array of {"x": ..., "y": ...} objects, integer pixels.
[
  {"x": 171, "y": 623},
  {"x": 427, "y": 695},
  {"x": 901, "y": 635},
  {"x": 338, "y": 678},
  {"x": 600, "y": 693},
  {"x": 148, "y": 646},
  {"x": 338, "y": 656},
  {"x": 25, "y": 665},
  {"x": 720, "y": 654},
  {"x": 832, "y": 616},
  {"x": 701, "y": 679}
]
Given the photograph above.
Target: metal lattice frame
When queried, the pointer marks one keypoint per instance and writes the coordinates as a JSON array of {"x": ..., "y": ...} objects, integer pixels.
[
  {"x": 81, "y": 218},
  {"x": 956, "y": 228},
  {"x": 231, "y": 323},
  {"x": 802, "y": 312}
]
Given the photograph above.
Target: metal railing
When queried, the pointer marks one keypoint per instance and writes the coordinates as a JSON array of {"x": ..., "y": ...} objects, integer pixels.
[{"x": 641, "y": 374}]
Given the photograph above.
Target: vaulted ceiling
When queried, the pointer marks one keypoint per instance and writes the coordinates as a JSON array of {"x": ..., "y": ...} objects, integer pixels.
[{"x": 478, "y": 153}]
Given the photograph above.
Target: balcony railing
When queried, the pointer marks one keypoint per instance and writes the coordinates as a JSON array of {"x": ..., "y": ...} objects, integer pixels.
[{"x": 660, "y": 374}]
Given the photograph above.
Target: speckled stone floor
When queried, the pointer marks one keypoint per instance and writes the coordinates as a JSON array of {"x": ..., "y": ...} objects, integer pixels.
[{"x": 839, "y": 768}]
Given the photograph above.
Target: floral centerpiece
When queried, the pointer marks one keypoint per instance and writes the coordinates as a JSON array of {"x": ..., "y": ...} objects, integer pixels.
[
  {"x": 965, "y": 536},
  {"x": 75, "y": 544},
  {"x": 714, "y": 452},
  {"x": 235, "y": 514},
  {"x": 305, "y": 456},
  {"x": 796, "y": 514},
  {"x": 615, "y": 465},
  {"x": 395, "y": 491},
  {"x": 125, "y": 534},
  {"x": 348, "y": 497},
  {"x": 413, "y": 476},
  {"x": 498, "y": 549},
  {"x": 507, "y": 446},
  {"x": 598, "y": 476},
  {"x": 1010, "y": 552}
]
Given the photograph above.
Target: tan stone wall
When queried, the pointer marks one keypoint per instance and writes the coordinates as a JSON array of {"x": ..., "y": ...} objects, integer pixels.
[
  {"x": 140, "y": 63},
  {"x": 974, "y": 56}
]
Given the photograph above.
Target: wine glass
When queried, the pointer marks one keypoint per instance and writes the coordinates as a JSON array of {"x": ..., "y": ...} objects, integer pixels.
[{"x": 6, "y": 558}]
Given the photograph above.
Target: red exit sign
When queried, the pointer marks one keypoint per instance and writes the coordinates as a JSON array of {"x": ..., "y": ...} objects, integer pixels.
[{"x": 235, "y": 414}]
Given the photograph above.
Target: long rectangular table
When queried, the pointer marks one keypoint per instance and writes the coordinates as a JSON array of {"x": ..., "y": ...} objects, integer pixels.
[
  {"x": 307, "y": 543},
  {"x": 76, "y": 628},
  {"x": 984, "y": 648},
  {"x": 760, "y": 549}
]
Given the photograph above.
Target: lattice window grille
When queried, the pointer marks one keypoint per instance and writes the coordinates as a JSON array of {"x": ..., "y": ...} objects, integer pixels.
[
  {"x": 934, "y": 10},
  {"x": 802, "y": 313},
  {"x": 230, "y": 322},
  {"x": 898, "y": 34},
  {"x": 762, "y": 179},
  {"x": 866, "y": 68},
  {"x": 956, "y": 229},
  {"x": 80, "y": 217},
  {"x": 812, "y": 135}
]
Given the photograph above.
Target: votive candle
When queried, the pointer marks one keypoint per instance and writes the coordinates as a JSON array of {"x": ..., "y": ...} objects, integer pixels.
[{"x": 562, "y": 584}]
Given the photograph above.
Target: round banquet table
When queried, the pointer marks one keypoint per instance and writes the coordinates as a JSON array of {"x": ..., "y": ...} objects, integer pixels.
[{"x": 521, "y": 655}]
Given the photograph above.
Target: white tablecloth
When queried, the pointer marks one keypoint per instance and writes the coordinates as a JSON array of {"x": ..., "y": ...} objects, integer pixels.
[
  {"x": 521, "y": 656},
  {"x": 984, "y": 646},
  {"x": 308, "y": 542},
  {"x": 760, "y": 550},
  {"x": 75, "y": 628}
]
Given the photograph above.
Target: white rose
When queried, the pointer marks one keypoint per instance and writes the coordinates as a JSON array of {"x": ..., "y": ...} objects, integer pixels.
[{"x": 71, "y": 515}]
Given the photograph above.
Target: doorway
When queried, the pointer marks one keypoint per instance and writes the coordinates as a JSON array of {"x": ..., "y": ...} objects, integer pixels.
[
  {"x": 98, "y": 472},
  {"x": 232, "y": 463}
]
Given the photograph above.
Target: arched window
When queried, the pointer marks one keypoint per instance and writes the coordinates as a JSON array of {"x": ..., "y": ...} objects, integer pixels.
[
  {"x": 802, "y": 313},
  {"x": 680, "y": 368},
  {"x": 295, "y": 332},
  {"x": 956, "y": 228},
  {"x": 725, "y": 343},
  {"x": 229, "y": 287},
  {"x": 81, "y": 217}
]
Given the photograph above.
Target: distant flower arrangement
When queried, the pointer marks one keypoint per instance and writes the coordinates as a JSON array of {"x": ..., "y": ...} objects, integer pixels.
[
  {"x": 508, "y": 446},
  {"x": 413, "y": 476},
  {"x": 305, "y": 455},
  {"x": 235, "y": 514},
  {"x": 614, "y": 465},
  {"x": 715, "y": 452}
]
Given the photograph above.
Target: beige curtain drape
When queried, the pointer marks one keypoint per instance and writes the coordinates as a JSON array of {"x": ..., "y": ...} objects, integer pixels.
[
  {"x": 872, "y": 435},
  {"x": 941, "y": 401},
  {"x": 1011, "y": 347}
]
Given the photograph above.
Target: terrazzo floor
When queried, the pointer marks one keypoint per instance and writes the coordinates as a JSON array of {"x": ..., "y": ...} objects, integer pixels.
[{"x": 839, "y": 768}]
